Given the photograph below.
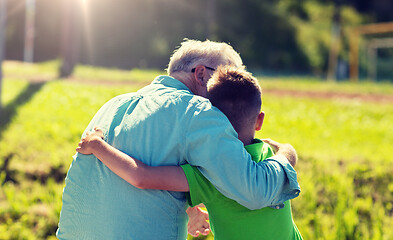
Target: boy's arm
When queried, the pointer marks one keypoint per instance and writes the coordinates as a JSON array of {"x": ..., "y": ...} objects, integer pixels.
[{"x": 135, "y": 172}]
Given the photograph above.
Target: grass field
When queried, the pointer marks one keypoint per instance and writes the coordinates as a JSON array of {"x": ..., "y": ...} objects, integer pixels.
[{"x": 344, "y": 145}]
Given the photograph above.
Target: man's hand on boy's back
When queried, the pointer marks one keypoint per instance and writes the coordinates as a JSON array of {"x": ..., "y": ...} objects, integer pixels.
[{"x": 285, "y": 149}]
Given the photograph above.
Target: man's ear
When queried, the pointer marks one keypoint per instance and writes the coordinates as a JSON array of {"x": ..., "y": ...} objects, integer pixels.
[
  {"x": 199, "y": 74},
  {"x": 258, "y": 124}
]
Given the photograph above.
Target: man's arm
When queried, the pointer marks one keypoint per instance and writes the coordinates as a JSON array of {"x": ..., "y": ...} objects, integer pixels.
[
  {"x": 213, "y": 147},
  {"x": 135, "y": 172}
]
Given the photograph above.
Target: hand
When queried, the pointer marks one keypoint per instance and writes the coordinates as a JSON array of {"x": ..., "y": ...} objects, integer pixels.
[
  {"x": 285, "y": 149},
  {"x": 197, "y": 223},
  {"x": 86, "y": 145}
]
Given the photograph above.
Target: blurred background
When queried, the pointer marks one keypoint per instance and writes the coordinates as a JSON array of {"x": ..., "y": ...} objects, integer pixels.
[
  {"x": 276, "y": 37},
  {"x": 325, "y": 67}
]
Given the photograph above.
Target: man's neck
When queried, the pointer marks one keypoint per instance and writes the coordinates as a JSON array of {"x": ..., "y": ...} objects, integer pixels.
[{"x": 185, "y": 79}]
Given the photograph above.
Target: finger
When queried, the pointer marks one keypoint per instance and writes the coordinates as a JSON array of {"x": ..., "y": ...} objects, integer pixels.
[
  {"x": 272, "y": 143},
  {"x": 196, "y": 234},
  {"x": 193, "y": 231},
  {"x": 207, "y": 216},
  {"x": 205, "y": 229},
  {"x": 78, "y": 149},
  {"x": 99, "y": 132},
  {"x": 206, "y": 232},
  {"x": 206, "y": 225},
  {"x": 267, "y": 140},
  {"x": 80, "y": 144}
]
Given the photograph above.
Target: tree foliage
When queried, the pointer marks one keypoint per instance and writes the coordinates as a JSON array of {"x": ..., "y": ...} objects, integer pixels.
[{"x": 279, "y": 35}]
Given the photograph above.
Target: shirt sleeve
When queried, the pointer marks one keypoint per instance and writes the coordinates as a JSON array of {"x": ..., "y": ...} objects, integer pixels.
[
  {"x": 214, "y": 148},
  {"x": 201, "y": 190}
]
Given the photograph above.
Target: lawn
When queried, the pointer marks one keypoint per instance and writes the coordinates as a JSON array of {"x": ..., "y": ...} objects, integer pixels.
[{"x": 344, "y": 146}]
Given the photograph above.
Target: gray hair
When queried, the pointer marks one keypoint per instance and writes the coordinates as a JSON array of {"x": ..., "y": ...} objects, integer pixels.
[{"x": 207, "y": 53}]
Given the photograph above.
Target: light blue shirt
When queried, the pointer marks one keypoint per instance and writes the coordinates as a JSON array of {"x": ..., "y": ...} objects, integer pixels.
[{"x": 164, "y": 123}]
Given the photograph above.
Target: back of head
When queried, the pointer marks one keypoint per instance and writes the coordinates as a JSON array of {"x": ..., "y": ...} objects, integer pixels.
[
  {"x": 207, "y": 53},
  {"x": 237, "y": 94}
]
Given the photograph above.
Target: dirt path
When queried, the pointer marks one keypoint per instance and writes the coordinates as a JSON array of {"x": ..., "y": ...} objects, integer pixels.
[{"x": 374, "y": 98}]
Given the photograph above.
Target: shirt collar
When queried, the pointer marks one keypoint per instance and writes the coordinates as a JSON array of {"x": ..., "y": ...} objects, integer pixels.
[
  {"x": 255, "y": 149},
  {"x": 169, "y": 81}
]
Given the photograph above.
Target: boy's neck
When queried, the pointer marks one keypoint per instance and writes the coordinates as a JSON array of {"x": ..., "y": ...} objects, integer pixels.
[
  {"x": 246, "y": 140},
  {"x": 246, "y": 136}
]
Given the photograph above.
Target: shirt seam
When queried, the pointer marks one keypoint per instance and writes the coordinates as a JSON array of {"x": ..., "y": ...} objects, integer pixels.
[{"x": 189, "y": 121}]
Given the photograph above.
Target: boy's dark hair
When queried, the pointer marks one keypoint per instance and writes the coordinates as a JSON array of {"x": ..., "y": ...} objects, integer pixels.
[{"x": 237, "y": 94}]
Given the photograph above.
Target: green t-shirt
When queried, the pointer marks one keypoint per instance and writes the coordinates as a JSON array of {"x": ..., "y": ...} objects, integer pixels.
[{"x": 230, "y": 220}]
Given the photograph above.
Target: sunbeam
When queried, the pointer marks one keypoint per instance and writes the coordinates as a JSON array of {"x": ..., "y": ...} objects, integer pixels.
[{"x": 87, "y": 30}]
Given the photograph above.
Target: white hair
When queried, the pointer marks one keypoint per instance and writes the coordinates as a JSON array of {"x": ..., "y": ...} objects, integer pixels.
[{"x": 207, "y": 53}]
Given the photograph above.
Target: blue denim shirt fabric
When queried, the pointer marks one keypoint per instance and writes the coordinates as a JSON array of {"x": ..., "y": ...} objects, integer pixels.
[{"x": 164, "y": 123}]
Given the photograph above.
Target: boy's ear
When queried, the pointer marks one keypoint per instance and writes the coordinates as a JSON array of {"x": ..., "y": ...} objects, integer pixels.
[{"x": 258, "y": 124}]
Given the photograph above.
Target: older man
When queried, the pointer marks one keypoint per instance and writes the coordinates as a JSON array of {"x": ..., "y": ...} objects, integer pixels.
[{"x": 167, "y": 123}]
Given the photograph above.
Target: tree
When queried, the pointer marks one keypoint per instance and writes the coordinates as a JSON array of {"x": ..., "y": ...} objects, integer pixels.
[
  {"x": 3, "y": 14},
  {"x": 70, "y": 37}
]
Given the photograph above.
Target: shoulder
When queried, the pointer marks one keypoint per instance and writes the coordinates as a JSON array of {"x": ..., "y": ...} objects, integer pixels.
[
  {"x": 124, "y": 97},
  {"x": 201, "y": 103},
  {"x": 196, "y": 108},
  {"x": 120, "y": 99},
  {"x": 202, "y": 107}
]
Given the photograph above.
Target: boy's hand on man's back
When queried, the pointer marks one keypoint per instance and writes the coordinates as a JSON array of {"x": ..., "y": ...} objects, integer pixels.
[
  {"x": 197, "y": 223},
  {"x": 89, "y": 143},
  {"x": 285, "y": 149}
]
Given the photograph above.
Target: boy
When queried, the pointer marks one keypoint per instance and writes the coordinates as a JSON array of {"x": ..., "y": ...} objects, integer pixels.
[{"x": 237, "y": 94}]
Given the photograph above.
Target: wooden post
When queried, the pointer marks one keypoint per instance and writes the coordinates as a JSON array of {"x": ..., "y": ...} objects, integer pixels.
[
  {"x": 335, "y": 44},
  {"x": 3, "y": 18},
  {"x": 353, "y": 56},
  {"x": 372, "y": 62}
]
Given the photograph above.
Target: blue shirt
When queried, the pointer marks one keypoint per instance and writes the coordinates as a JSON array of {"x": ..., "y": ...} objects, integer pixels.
[{"x": 164, "y": 123}]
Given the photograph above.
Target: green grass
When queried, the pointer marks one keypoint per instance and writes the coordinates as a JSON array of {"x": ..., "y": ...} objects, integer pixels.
[
  {"x": 39, "y": 141},
  {"x": 344, "y": 167},
  {"x": 321, "y": 85},
  {"x": 45, "y": 70},
  {"x": 344, "y": 148},
  {"x": 116, "y": 75},
  {"x": 331, "y": 129},
  {"x": 11, "y": 88},
  {"x": 49, "y": 70}
]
